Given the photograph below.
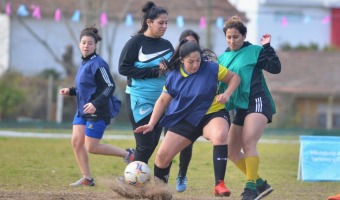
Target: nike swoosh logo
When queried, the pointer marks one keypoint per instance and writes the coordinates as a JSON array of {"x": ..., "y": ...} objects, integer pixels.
[
  {"x": 142, "y": 112},
  {"x": 145, "y": 57}
]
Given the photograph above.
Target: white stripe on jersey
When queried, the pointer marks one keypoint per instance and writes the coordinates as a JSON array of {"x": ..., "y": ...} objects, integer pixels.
[{"x": 106, "y": 79}]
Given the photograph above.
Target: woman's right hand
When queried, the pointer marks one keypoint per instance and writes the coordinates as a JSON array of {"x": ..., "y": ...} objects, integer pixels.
[
  {"x": 162, "y": 68},
  {"x": 64, "y": 91},
  {"x": 144, "y": 129}
]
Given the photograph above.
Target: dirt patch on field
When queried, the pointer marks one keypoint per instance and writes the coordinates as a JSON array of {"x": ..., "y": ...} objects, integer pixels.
[
  {"x": 104, "y": 190},
  {"x": 16, "y": 195},
  {"x": 84, "y": 195}
]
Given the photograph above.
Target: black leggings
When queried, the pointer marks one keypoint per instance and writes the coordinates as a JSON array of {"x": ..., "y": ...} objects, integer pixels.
[{"x": 145, "y": 143}]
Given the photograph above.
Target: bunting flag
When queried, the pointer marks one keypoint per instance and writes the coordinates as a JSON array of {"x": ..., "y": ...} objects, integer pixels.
[
  {"x": 284, "y": 22},
  {"x": 22, "y": 11},
  {"x": 8, "y": 9},
  {"x": 203, "y": 23},
  {"x": 180, "y": 21},
  {"x": 219, "y": 23},
  {"x": 306, "y": 19},
  {"x": 129, "y": 20},
  {"x": 57, "y": 15},
  {"x": 326, "y": 19},
  {"x": 76, "y": 16},
  {"x": 103, "y": 19},
  {"x": 36, "y": 12}
]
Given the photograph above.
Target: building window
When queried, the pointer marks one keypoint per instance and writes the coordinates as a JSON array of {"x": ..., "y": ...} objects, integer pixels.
[
  {"x": 321, "y": 120},
  {"x": 322, "y": 116},
  {"x": 336, "y": 120}
]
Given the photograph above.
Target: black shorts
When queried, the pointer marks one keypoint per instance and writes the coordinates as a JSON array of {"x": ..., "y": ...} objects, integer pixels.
[
  {"x": 258, "y": 105},
  {"x": 191, "y": 132}
]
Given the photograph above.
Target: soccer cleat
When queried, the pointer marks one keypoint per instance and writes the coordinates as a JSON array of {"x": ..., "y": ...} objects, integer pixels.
[
  {"x": 221, "y": 190},
  {"x": 336, "y": 197},
  {"x": 130, "y": 156},
  {"x": 249, "y": 194},
  {"x": 263, "y": 190},
  {"x": 83, "y": 182},
  {"x": 181, "y": 183}
]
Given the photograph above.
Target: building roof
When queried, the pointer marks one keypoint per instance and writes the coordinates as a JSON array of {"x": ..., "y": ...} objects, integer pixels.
[
  {"x": 189, "y": 9},
  {"x": 307, "y": 73}
]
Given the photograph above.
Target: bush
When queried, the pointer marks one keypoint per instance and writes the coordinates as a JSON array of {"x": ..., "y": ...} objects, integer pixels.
[{"x": 11, "y": 95}]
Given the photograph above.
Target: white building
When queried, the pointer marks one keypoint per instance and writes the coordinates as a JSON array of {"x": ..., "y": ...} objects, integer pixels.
[
  {"x": 292, "y": 22},
  {"x": 4, "y": 47},
  {"x": 29, "y": 51}
]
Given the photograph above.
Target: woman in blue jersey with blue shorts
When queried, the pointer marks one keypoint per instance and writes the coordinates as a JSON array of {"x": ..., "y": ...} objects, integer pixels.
[
  {"x": 96, "y": 106},
  {"x": 140, "y": 61},
  {"x": 193, "y": 107}
]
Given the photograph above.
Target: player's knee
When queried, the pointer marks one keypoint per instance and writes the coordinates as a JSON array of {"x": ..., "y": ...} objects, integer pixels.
[
  {"x": 162, "y": 160},
  {"x": 91, "y": 148},
  {"x": 220, "y": 138}
]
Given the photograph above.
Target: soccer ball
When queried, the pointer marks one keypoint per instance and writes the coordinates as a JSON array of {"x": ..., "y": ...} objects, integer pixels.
[{"x": 136, "y": 173}]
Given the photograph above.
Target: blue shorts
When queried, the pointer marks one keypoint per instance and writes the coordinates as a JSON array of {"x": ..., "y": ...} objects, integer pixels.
[{"x": 93, "y": 129}]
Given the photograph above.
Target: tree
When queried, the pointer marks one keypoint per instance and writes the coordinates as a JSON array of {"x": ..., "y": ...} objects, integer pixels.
[
  {"x": 90, "y": 11},
  {"x": 11, "y": 95}
]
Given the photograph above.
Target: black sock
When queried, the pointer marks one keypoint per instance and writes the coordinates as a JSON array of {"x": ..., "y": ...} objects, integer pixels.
[
  {"x": 162, "y": 174},
  {"x": 184, "y": 160},
  {"x": 220, "y": 156}
]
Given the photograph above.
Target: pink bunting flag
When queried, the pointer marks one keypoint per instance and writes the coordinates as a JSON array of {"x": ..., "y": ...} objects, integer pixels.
[
  {"x": 284, "y": 22},
  {"x": 326, "y": 19},
  {"x": 8, "y": 8},
  {"x": 57, "y": 15},
  {"x": 36, "y": 12},
  {"x": 203, "y": 23},
  {"x": 103, "y": 19}
]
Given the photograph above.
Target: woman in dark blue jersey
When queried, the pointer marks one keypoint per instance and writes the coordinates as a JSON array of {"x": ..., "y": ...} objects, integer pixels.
[
  {"x": 140, "y": 62},
  {"x": 193, "y": 107},
  {"x": 186, "y": 154},
  {"x": 96, "y": 106}
]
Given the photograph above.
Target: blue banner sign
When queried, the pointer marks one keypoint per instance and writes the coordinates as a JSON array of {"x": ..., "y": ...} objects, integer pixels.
[{"x": 319, "y": 158}]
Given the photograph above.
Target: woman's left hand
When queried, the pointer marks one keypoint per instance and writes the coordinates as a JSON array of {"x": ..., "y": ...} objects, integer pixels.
[
  {"x": 89, "y": 108},
  {"x": 265, "y": 39}
]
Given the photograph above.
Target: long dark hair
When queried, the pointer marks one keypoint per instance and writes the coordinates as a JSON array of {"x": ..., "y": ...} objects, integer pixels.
[
  {"x": 151, "y": 11},
  {"x": 184, "y": 48}
]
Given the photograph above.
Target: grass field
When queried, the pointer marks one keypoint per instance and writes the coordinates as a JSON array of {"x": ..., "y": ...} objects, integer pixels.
[{"x": 40, "y": 168}]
